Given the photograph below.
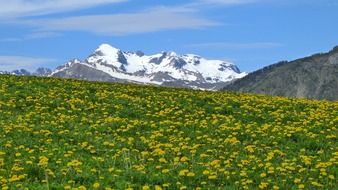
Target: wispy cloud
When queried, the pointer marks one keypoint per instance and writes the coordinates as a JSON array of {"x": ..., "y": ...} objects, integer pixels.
[
  {"x": 224, "y": 45},
  {"x": 32, "y": 36},
  {"x": 156, "y": 19},
  {"x": 11, "y": 39},
  {"x": 211, "y": 4},
  {"x": 9, "y": 63},
  {"x": 227, "y": 2},
  {"x": 20, "y": 8},
  {"x": 39, "y": 35},
  {"x": 185, "y": 16}
]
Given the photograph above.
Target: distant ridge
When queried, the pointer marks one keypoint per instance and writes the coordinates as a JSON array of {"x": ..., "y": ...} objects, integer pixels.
[{"x": 314, "y": 77}]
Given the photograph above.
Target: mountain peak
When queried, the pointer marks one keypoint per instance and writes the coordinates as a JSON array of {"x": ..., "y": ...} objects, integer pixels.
[
  {"x": 172, "y": 54},
  {"x": 106, "y": 50}
]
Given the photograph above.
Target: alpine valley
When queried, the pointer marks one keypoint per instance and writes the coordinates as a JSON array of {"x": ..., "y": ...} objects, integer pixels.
[{"x": 110, "y": 64}]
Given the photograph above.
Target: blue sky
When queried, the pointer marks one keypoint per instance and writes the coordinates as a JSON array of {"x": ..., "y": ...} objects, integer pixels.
[{"x": 250, "y": 33}]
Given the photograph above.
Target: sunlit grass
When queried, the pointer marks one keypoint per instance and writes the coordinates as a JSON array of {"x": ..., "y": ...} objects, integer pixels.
[{"x": 64, "y": 134}]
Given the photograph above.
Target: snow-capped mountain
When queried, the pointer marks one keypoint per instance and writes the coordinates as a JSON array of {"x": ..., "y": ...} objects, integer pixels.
[
  {"x": 21, "y": 72},
  {"x": 107, "y": 63},
  {"x": 43, "y": 72}
]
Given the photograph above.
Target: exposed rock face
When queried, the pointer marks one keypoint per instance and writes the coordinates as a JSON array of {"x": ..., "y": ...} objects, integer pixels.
[
  {"x": 80, "y": 71},
  {"x": 333, "y": 59}
]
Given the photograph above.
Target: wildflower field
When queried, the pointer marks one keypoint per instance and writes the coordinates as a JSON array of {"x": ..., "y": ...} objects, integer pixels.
[{"x": 69, "y": 134}]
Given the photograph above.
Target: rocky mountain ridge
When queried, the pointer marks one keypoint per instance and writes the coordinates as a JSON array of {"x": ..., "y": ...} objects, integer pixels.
[{"x": 314, "y": 77}]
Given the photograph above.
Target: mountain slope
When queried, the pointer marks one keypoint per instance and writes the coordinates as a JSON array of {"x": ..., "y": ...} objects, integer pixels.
[
  {"x": 167, "y": 68},
  {"x": 80, "y": 134},
  {"x": 314, "y": 77}
]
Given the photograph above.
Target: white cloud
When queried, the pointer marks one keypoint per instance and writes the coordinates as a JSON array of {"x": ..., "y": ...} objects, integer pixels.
[
  {"x": 19, "y": 8},
  {"x": 9, "y": 63},
  {"x": 122, "y": 24},
  {"x": 223, "y": 45}
]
